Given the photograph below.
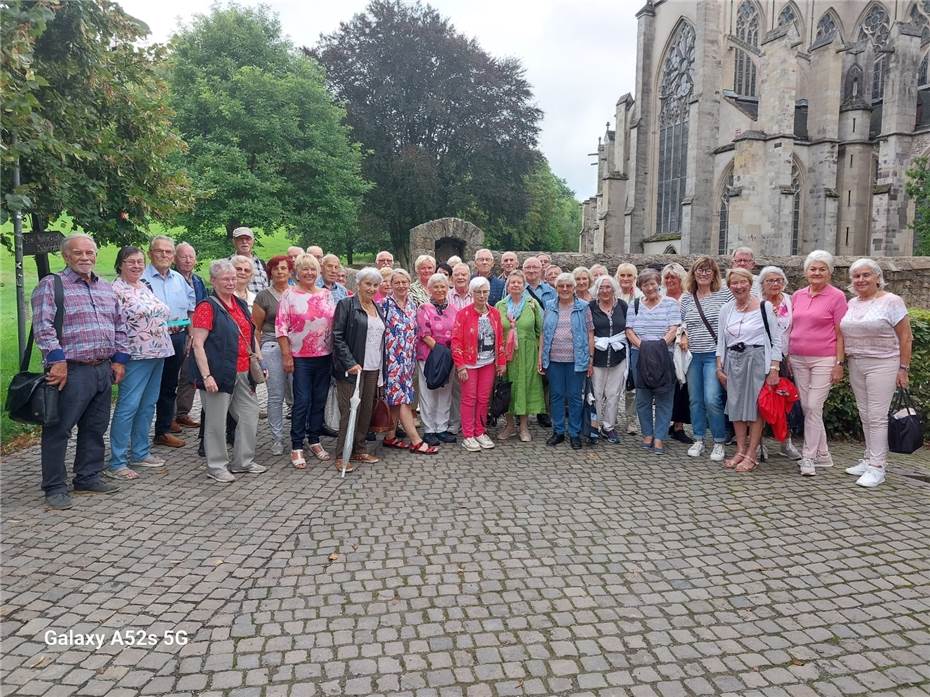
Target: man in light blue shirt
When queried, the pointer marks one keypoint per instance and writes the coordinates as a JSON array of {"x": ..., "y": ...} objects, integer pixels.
[
  {"x": 171, "y": 288},
  {"x": 329, "y": 275}
]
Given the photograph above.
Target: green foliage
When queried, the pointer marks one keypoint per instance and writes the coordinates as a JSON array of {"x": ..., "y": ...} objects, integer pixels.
[
  {"x": 918, "y": 188},
  {"x": 448, "y": 128},
  {"x": 90, "y": 119},
  {"x": 267, "y": 145},
  {"x": 840, "y": 414}
]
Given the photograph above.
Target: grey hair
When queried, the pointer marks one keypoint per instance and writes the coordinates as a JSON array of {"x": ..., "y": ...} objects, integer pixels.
[
  {"x": 160, "y": 238},
  {"x": 238, "y": 258},
  {"x": 455, "y": 260},
  {"x": 329, "y": 258},
  {"x": 647, "y": 275},
  {"x": 582, "y": 270},
  {"x": 422, "y": 259},
  {"x": 565, "y": 277},
  {"x": 66, "y": 242},
  {"x": 185, "y": 244},
  {"x": 400, "y": 272},
  {"x": 770, "y": 270},
  {"x": 871, "y": 264},
  {"x": 478, "y": 283},
  {"x": 819, "y": 255},
  {"x": 742, "y": 250},
  {"x": 369, "y": 274},
  {"x": 461, "y": 263},
  {"x": 436, "y": 278},
  {"x": 606, "y": 278},
  {"x": 483, "y": 249},
  {"x": 219, "y": 266}
]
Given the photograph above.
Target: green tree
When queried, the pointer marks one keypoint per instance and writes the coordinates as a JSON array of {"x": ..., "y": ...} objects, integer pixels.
[
  {"x": 449, "y": 128},
  {"x": 918, "y": 188},
  {"x": 267, "y": 145},
  {"x": 90, "y": 119}
]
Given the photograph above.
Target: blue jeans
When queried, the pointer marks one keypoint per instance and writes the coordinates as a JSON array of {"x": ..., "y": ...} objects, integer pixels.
[
  {"x": 661, "y": 400},
  {"x": 565, "y": 383},
  {"x": 705, "y": 396},
  {"x": 311, "y": 385},
  {"x": 135, "y": 407}
]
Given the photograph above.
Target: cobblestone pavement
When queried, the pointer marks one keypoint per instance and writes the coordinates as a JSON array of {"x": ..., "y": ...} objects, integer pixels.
[{"x": 525, "y": 570}]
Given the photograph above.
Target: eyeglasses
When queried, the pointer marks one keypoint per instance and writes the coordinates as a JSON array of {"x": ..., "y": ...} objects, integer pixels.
[
  {"x": 774, "y": 281},
  {"x": 703, "y": 272}
]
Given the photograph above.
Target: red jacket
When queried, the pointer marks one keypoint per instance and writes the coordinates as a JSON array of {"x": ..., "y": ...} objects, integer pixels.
[{"x": 465, "y": 337}]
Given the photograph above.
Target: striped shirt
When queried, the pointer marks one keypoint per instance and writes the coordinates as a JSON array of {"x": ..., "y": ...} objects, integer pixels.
[
  {"x": 699, "y": 338},
  {"x": 651, "y": 324},
  {"x": 93, "y": 326}
]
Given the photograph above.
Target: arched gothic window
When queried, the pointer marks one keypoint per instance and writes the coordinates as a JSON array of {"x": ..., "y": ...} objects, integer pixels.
[
  {"x": 788, "y": 15},
  {"x": 826, "y": 29},
  {"x": 723, "y": 225},
  {"x": 920, "y": 16},
  {"x": 795, "y": 208},
  {"x": 747, "y": 31},
  {"x": 852, "y": 85},
  {"x": 875, "y": 28},
  {"x": 923, "y": 72},
  {"x": 674, "y": 97}
]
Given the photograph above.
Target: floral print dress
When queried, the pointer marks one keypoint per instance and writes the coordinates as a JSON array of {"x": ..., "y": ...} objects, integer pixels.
[{"x": 400, "y": 329}]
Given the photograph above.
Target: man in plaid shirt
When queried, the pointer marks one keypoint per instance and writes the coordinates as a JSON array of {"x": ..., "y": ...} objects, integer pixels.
[
  {"x": 243, "y": 241},
  {"x": 89, "y": 359}
]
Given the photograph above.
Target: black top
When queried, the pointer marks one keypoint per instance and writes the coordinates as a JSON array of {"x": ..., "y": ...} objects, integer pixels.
[{"x": 608, "y": 325}]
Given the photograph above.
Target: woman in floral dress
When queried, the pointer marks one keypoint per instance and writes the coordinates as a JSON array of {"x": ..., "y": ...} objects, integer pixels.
[{"x": 400, "y": 335}]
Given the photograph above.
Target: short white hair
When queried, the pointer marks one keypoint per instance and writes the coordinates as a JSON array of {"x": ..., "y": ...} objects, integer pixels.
[
  {"x": 185, "y": 245},
  {"x": 772, "y": 270},
  {"x": 478, "y": 283},
  {"x": 676, "y": 269},
  {"x": 454, "y": 260},
  {"x": 479, "y": 251},
  {"x": 221, "y": 266},
  {"x": 819, "y": 255},
  {"x": 870, "y": 264},
  {"x": 66, "y": 242},
  {"x": 369, "y": 274},
  {"x": 239, "y": 258},
  {"x": 608, "y": 279},
  {"x": 743, "y": 250},
  {"x": 161, "y": 238},
  {"x": 422, "y": 259},
  {"x": 437, "y": 277},
  {"x": 565, "y": 277},
  {"x": 460, "y": 265},
  {"x": 400, "y": 272}
]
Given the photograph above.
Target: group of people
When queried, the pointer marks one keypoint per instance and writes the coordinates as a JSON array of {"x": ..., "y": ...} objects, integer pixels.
[{"x": 579, "y": 352}]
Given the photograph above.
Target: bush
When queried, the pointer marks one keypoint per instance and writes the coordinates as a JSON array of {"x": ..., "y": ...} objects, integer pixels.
[{"x": 840, "y": 414}]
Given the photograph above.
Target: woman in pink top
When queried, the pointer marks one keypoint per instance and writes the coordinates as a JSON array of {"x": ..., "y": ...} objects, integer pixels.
[
  {"x": 877, "y": 334},
  {"x": 304, "y": 327},
  {"x": 434, "y": 326},
  {"x": 816, "y": 353}
]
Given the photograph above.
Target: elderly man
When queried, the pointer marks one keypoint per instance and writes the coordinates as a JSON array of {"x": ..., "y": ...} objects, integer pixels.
[
  {"x": 243, "y": 242},
  {"x": 172, "y": 289},
  {"x": 185, "y": 261},
  {"x": 544, "y": 260},
  {"x": 458, "y": 295},
  {"x": 484, "y": 264},
  {"x": 293, "y": 252},
  {"x": 551, "y": 273},
  {"x": 329, "y": 277},
  {"x": 316, "y": 251},
  {"x": 743, "y": 258},
  {"x": 84, "y": 361},
  {"x": 509, "y": 263},
  {"x": 541, "y": 291},
  {"x": 384, "y": 260}
]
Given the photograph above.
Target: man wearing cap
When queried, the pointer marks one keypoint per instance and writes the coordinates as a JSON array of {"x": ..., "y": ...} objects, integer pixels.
[{"x": 243, "y": 242}]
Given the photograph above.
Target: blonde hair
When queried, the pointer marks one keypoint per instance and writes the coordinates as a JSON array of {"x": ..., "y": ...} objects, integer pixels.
[
  {"x": 305, "y": 260},
  {"x": 422, "y": 259},
  {"x": 626, "y": 267},
  {"x": 739, "y": 271}
]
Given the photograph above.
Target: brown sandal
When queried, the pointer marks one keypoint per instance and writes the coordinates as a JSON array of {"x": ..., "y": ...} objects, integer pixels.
[
  {"x": 742, "y": 468},
  {"x": 423, "y": 448},
  {"x": 319, "y": 453},
  {"x": 732, "y": 462}
]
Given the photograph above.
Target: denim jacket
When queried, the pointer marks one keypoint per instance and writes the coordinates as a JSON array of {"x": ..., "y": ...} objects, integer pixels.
[{"x": 579, "y": 332}]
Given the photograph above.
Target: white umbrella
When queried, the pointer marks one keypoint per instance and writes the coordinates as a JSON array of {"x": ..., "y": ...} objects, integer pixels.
[{"x": 350, "y": 427}]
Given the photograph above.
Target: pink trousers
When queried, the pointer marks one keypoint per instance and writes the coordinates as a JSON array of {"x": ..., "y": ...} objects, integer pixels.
[
  {"x": 812, "y": 378},
  {"x": 873, "y": 382},
  {"x": 476, "y": 394}
]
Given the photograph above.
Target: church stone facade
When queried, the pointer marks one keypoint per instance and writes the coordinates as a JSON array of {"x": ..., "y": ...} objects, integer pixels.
[{"x": 782, "y": 126}]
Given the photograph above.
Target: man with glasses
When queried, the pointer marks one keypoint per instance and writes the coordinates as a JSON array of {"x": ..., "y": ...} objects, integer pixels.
[{"x": 743, "y": 258}]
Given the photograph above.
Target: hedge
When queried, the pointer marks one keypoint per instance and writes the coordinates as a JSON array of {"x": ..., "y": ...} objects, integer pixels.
[{"x": 840, "y": 415}]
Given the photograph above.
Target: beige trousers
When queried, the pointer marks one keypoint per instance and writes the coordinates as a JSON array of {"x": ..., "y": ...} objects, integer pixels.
[
  {"x": 242, "y": 404},
  {"x": 873, "y": 382},
  {"x": 812, "y": 378}
]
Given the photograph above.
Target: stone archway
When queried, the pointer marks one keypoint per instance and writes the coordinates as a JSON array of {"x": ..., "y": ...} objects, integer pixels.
[{"x": 444, "y": 237}]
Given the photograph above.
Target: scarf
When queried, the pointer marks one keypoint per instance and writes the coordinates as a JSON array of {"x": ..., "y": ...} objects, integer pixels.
[
  {"x": 440, "y": 307},
  {"x": 513, "y": 314}
]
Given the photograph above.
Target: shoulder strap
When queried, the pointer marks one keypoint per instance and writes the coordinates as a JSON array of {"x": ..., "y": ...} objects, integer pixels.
[
  {"x": 765, "y": 322},
  {"x": 697, "y": 304},
  {"x": 535, "y": 297},
  {"x": 636, "y": 306}
]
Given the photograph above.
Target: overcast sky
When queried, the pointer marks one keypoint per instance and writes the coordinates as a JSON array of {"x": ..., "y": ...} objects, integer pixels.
[{"x": 579, "y": 56}]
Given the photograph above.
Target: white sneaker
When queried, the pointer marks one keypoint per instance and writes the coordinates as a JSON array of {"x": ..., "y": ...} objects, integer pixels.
[
  {"x": 807, "y": 467},
  {"x": 859, "y": 468},
  {"x": 718, "y": 453},
  {"x": 149, "y": 461},
  {"x": 873, "y": 477},
  {"x": 789, "y": 450},
  {"x": 484, "y": 440},
  {"x": 223, "y": 476},
  {"x": 824, "y": 460},
  {"x": 277, "y": 448},
  {"x": 254, "y": 468},
  {"x": 696, "y": 450},
  {"x": 471, "y": 444}
]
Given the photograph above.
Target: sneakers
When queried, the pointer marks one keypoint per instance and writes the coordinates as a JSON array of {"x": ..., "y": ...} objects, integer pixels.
[
  {"x": 254, "y": 468},
  {"x": 611, "y": 436},
  {"x": 149, "y": 461},
  {"x": 859, "y": 468},
  {"x": 789, "y": 451},
  {"x": 96, "y": 486},
  {"x": 872, "y": 477},
  {"x": 221, "y": 475},
  {"x": 277, "y": 448},
  {"x": 696, "y": 450},
  {"x": 807, "y": 467},
  {"x": 471, "y": 444},
  {"x": 60, "y": 501},
  {"x": 718, "y": 453},
  {"x": 824, "y": 461},
  {"x": 485, "y": 441}
]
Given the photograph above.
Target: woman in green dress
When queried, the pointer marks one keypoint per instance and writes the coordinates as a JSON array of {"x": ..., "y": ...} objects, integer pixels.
[{"x": 520, "y": 310}]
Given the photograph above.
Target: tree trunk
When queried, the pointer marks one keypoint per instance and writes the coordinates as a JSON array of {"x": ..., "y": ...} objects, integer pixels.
[{"x": 38, "y": 225}]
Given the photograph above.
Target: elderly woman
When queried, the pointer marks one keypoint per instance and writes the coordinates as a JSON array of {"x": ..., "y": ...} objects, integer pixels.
[
  {"x": 773, "y": 283},
  {"x": 434, "y": 327},
  {"x": 566, "y": 349},
  {"x": 597, "y": 270},
  {"x": 748, "y": 356},
  {"x": 424, "y": 266},
  {"x": 264, "y": 312},
  {"x": 384, "y": 290},
  {"x": 149, "y": 345},
  {"x": 700, "y": 314},
  {"x": 400, "y": 337},
  {"x": 304, "y": 336},
  {"x": 877, "y": 339},
  {"x": 478, "y": 354},
  {"x": 817, "y": 353},
  {"x": 652, "y": 319},
  {"x": 583, "y": 283},
  {"x": 459, "y": 296},
  {"x": 551, "y": 273},
  {"x": 626, "y": 277},
  {"x": 608, "y": 315},
  {"x": 222, "y": 337},
  {"x": 522, "y": 321},
  {"x": 358, "y": 348},
  {"x": 673, "y": 286},
  {"x": 245, "y": 269}
]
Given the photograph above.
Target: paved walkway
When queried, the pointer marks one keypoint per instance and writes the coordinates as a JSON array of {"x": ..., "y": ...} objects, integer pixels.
[{"x": 525, "y": 570}]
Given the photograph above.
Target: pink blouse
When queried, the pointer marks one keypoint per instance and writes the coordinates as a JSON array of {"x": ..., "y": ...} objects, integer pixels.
[
  {"x": 431, "y": 323},
  {"x": 814, "y": 322},
  {"x": 306, "y": 319}
]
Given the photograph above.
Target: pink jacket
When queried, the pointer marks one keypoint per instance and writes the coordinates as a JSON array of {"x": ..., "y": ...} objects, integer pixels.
[
  {"x": 465, "y": 337},
  {"x": 431, "y": 323}
]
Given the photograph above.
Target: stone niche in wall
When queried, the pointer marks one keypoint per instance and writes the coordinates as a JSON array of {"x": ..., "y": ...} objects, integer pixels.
[{"x": 445, "y": 237}]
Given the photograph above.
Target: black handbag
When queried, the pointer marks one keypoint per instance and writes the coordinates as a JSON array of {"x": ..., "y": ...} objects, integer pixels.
[
  {"x": 905, "y": 427},
  {"x": 30, "y": 398},
  {"x": 438, "y": 367},
  {"x": 500, "y": 400}
]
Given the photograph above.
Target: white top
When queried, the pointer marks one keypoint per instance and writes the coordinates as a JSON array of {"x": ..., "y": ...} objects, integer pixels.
[
  {"x": 730, "y": 333},
  {"x": 745, "y": 327},
  {"x": 784, "y": 313},
  {"x": 868, "y": 327},
  {"x": 373, "y": 342}
]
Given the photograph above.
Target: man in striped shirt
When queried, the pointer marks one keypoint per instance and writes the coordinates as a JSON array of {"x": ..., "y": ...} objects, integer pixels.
[{"x": 90, "y": 357}]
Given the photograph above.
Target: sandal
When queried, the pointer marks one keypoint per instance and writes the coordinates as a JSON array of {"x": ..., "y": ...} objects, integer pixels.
[
  {"x": 366, "y": 458},
  {"x": 742, "y": 467},
  {"x": 349, "y": 467},
  {"x": 299, "y": 463},
  {"x": 318, "y": 451},
  {"x": 423, "y": 448},
  {"x": 732, "y": 462},
  {"x": 121, "y": 473},
  {"x": 398, "y": 443}
]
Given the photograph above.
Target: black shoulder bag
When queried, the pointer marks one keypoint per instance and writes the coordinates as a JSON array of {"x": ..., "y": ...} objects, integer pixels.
[
  {"x": 697, "y": 304},
  {"x": 30, "y": 398},
  {"x": 630, "y": 381}
]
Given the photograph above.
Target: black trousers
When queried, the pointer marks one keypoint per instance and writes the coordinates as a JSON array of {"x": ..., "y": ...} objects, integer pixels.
[
  {"x": 167, "y": 395},
  {"x": 85, "y": 403}
]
